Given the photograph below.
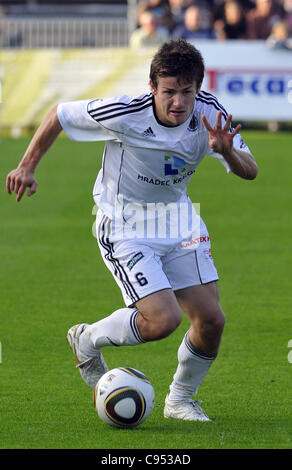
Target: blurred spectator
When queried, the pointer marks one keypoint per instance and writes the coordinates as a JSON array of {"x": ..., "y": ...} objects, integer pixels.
[
  {"x": 261, "y": 19},
  {"x": 149, "y": 34},
  {"x": 280, "y": 38},
  {"x": 219, "y": 8},
  {"x": 233, "y": 24},
  {"x": 161, "y": 11},
  {"x": 287, "y": 13},
  {"x": 179, "y": 7},
  {"x": 193, "y": 26}
]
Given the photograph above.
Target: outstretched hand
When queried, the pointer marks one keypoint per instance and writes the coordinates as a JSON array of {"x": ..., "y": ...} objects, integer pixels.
[
  {"x": 220, "y": 139},
  {"x": 18, "y": 180}
]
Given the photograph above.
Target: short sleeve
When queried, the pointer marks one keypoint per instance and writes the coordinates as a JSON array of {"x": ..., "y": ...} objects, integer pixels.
[{"x": 78, "y": 123}]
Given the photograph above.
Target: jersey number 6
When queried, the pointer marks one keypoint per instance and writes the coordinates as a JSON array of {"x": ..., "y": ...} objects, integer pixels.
[{"x": 141, "y": 279}]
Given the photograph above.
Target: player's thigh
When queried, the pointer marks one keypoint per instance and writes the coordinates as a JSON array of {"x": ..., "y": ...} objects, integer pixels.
[
  {"x": 138, "y": 271},
  {"x": 135, "y": 267},
  {"x": 193, "y": 276},
  {"x": 190, "y": 263},
  {"x": 201, "y": 303},
  {"x": 199, "y": 300}
]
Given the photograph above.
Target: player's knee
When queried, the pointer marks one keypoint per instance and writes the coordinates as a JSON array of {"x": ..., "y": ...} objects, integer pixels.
[
  {"x": 213, "y": 324},
  {"x": 209, "y": 324},
  {"x": 166, "y": 322},
  {"x": 171, "y": 322}
]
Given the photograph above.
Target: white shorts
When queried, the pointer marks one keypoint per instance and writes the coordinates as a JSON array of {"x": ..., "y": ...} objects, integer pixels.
[{"x": 141, "y": 268}]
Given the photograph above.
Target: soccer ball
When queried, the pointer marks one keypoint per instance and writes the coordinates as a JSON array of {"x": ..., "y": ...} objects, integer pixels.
[{"x": 124, "y": 397}]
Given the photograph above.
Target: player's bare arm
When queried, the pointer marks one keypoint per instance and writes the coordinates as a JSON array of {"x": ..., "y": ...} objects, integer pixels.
[
  {"x": 23, "y": 176},
  {"x": 221, "y": 141}
]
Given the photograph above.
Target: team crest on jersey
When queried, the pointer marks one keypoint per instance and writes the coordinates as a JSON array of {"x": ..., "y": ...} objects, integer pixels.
[
  {"x": 174, "y": 165},
  {"x": 193, "y": 125}
]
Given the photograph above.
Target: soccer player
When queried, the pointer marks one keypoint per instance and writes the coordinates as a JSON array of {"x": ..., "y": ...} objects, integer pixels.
[{"x": 154, "y": 143}]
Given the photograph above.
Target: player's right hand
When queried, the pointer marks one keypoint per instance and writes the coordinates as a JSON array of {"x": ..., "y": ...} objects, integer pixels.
[{"x": 18, "y": 180}]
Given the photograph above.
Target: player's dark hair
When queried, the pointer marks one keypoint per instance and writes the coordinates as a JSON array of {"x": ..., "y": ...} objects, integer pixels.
[{"x": 178, "y": 58}]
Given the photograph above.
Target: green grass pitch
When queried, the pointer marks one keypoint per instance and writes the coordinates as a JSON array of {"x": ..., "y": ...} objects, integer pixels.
[{"x": 52, "y": 276}]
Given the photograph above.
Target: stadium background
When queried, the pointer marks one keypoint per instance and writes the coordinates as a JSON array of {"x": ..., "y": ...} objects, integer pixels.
[
  {"x": 67, "y": 50},
  {"x": 59, "y": 51}
]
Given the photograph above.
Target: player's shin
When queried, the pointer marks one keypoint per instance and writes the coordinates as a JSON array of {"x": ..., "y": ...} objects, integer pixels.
[
  {"x": 193, "y": 366},
  {"x": 118, "y": 329}
]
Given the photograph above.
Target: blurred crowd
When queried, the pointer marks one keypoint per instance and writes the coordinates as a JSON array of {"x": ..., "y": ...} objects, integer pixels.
[{"x": 220, "y": 20}]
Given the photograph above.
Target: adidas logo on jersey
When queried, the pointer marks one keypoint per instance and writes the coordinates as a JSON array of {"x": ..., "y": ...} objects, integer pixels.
[{"x": 149, "y": 132}]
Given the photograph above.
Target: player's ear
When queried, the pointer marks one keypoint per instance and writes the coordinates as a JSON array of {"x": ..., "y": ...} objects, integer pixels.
[
  {"x": 199, "y": 88},
  {"x": 152, "y": 87}
]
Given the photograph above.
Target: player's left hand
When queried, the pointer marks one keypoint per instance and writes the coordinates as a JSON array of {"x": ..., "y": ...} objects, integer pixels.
[{"x": 220, "y": 139}]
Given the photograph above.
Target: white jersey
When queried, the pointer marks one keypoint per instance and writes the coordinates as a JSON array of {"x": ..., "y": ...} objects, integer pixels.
[{"x": 144, "y": 161}]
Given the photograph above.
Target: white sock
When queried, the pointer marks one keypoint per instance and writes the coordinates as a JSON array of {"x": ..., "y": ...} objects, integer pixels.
[
  {"x": 118, "y": 329},
  {"x": 193, "y": 365}
]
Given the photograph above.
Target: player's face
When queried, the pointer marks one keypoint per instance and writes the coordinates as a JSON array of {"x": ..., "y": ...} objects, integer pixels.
[{"x": 174, "y": 100}]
